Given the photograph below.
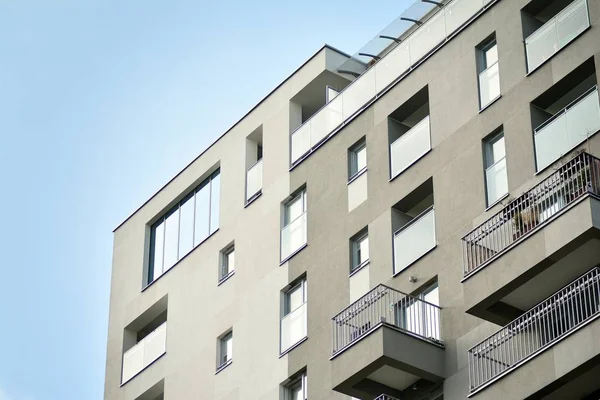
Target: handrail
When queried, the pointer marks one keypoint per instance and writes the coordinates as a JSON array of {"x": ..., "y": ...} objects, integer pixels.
[
  {"x": 381, "y": 305},
  {"x": 537, "y": 329},
  {"x": 578, "y": 177}
]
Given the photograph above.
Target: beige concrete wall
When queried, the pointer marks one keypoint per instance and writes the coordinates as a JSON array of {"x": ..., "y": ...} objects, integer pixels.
[{"x": 199, "y": 310}]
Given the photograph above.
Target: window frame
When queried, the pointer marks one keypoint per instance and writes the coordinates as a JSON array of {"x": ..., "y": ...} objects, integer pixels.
[
  {"x": 354, "y": 170},
  {"x": 300, "y": 381},
  {"x": 212, "y": 211},
  {"x": 225, "y": 269},
  {"x": 224, "y": 349},
  {"x": 355, "y": 249},
  {"x": 490, "y": 161}
]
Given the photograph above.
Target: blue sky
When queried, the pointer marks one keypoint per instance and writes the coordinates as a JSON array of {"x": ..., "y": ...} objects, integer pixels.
[{"x": 101, "y": 103}]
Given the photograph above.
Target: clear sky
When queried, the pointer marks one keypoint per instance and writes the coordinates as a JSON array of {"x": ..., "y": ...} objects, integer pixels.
[{"x": 101, "y": 103}]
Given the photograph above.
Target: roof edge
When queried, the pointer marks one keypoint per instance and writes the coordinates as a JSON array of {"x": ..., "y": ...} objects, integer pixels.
[{"x": 325, "y": 46}]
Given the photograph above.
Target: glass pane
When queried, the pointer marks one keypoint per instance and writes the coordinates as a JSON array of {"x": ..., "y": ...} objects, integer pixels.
[
  {"x": 202, "y": 214},
  {"x": 491, "y": 56},
  {"x": 230, "y": 263},
  {"x": 355, "y": 96},
  {"x": 300, "y": 142},
  {"x": 498, "y": 150},
  {"x": 293, "y": 236},
  {"x": 254, "y": 180},
  {"x": 550, "y": 142},
  {"x": 583, "y": 120},
  {"x": 489, "y": 85},
  {"x": 427, "y": 37},
  {"x": 325, "y": 121},
  {"x": 541, "y": 45},
  {"x": 295, "y": 299},
  {"x": 433, "y": 296},
  {"x": 361, "y": 158},
  {"x": 171, "y": 239},
  {"x": 392, "y": 66},
  {"x": 186, "y": 231},
  {"x": 496, "y": 181},
  {"x": 459, "y": 12},
  {"x": 294, "y": 209},
  {"x": 293, "y": 327},
  {"x": 414, "y": 241},
  {"x": 158, "y": 236},
  {"x": 215, "y": 196},
  {"x": 409, "y": 147},
  {"x": 364, "y": 249},
  {"x": 571, "y": 21}
]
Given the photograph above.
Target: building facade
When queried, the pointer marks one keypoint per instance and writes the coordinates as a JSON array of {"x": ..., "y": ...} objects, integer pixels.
[{"x": 417, "y": 221}]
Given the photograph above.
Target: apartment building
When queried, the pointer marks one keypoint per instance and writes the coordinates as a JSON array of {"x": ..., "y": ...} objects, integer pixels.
[{"x": 420, "y": 220}]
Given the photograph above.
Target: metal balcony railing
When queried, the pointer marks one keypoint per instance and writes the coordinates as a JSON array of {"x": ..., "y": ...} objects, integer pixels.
[
  {"x": 384, "y": 305},
  {"x": 577, "y": 178},
  {"x": 556, "y": 33},
  {"x": 536, "y": 330},
  {"x": 404, "y": 54}
]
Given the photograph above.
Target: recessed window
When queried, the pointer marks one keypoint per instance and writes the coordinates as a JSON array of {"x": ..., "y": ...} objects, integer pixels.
[
  {"x": 359, "y": 250},
  {"x": 293, "y": 320},
  {"x": 293, "y": 232},
  {"x": 419, "y": 313},
  {"x": 495, "y": 168},
  {"x": 184, "y": 227},
  {"x": 489, "y": 73},
  {"x": 357, "y": 159},
  {"x": 297, "y": 389},
  {"x": 227, "y": 263},
  {"x": 225, "y": 350}
]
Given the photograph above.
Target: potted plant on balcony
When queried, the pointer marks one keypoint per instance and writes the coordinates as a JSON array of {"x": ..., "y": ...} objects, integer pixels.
[{"x": 524, "y": 220}]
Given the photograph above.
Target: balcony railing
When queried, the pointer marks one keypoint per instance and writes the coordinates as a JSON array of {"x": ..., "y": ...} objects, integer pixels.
[
  {"x": 536, "y": 330},
  {"x": 556, "y": 33},
  {"x": 489, "y": 85},
  {"x": 254, "y": 178},
  {"x": 371, "y": 84},
  {"x": 386, "y": 397},
  {"x": 414, "y": 239},
  {"x": 384, "y": 305},
  {"x": 411, "y": 146},
  {"x": 577, "y": 178},
  {"x": 293, "y": 236},
  {"x": 567, "y": 129},
  {"x": 293, "y": 327},
  {"x": 144, "y": 353}
]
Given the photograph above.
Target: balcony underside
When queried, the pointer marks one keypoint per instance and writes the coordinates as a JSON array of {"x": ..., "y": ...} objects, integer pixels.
[
  {"x": 387, "y": 361},
  {"x": 567, "y": 370},
  {"x": 553, "y": 256}
]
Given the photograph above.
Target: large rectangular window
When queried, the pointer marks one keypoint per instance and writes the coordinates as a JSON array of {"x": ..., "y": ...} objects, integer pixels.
[
  {"x": 293, "y": 233},
  {"x": 293, "y": 320},
  {"x": 184, "y": 226}
]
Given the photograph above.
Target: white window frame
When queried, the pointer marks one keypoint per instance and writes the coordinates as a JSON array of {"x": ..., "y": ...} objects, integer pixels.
[
  {"x": 225, "y": 269},
  {"x": 353, "y": 156},
  {"x": 355, "y": 249},
  {"x": 300, "y": 382},
  {"x": 225, "y": 350},
  {"x": 490, "y": 161}
]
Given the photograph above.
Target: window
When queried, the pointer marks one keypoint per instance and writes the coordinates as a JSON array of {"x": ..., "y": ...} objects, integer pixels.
[
  {"x": 357, "y": 159},
  {"x": 419, "y": 313},
  {"x": 489, "y": 76},
  {"x": 185, "y": 226},
  {"x": 359, "y": 251},
  {"x": 225, "y": 351},
  {"x": 495, "y": 168},
  {"x": 293, "y": 321},
  {"x": 293, "y": 233},
  {"x": 227, "y": 260},
  {"x": 297, "y": 389}
]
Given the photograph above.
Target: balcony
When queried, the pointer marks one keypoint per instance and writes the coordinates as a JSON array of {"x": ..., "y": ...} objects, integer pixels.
[
  {"x": 409, "y": 147},
  {"x": 537, "y": 330},
  {"x": 414, "y": 240},
  {"x": 567, "y": 129},
  {"x": 293, "y": 236},
  {"x": 385, "y": 342},
  {"x": 408, "y": 47},
  {"x": 144, "y": 353},
  {"x": 536, "y": 244},
  {"x": 293, "y": 328},
  {"x": 556, "y": 33},
  {"x": 254, "y": 177}
]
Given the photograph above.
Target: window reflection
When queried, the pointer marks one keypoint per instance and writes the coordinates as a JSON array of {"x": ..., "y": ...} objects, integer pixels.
[{"x": 184, "y": 226}]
